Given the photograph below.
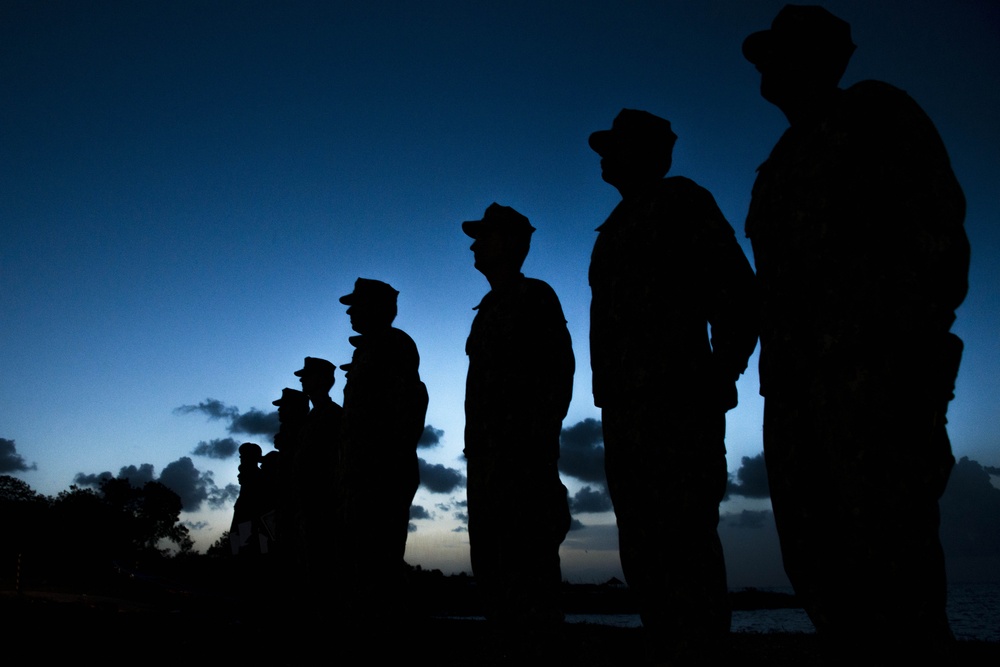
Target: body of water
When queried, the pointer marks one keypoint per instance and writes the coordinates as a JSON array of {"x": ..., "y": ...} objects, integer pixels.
[{"x": 973, "y": 611}]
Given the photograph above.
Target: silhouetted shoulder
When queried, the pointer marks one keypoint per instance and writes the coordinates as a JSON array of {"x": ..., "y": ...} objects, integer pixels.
[
  {"x": 698, "y": 206},
  {"x": 402, "y": 341},
  {"x": 542, "y": 295}
]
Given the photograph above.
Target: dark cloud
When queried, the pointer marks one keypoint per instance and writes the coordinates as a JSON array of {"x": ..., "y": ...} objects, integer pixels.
[
  {"x": 444, "y": 507},
  {"x": 748, "y": 519},
  {"x": 196, "y": 525},
  {"x": 218, "y": 448},
  {"x": 252, "y": 422},
  {"x": 212, "y": 408},
  {"x": 751, "y": 479},
  {"x": 186, "y": 481},
  {"x": 460, "y": 529},
  {"x": 193, "y": 486},
  {"x": 970, "y": 512},
  {"x": 437, "y": 478},
  {"x": 255, "y": 422},
  {"x": 582, "y": 452},
  {"x": 10, "y": 460},
  {"x": 462, "y": 516},
  {"x": 419, "y": 512},
  {"x": 138, "y": 476},
  {"x": 430, "y": 437},
  {"x": 220, "y": 497},
  {"x": 589, "y": 499},
  {"x": 574, "y": 524},
  {"x": 92, "y": 480}
]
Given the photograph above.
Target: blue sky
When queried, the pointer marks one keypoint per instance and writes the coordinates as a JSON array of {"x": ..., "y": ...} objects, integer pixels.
[{"x": 187, "y": 188}]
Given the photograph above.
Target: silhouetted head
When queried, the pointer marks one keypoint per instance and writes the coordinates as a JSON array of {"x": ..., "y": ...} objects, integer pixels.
[
  {"x": 636, "y": 152},
  {"x": 502, "y": 239},
  {"x": 802, "y": 57},
  {"x": 371, "y": 306},
  {"x": 316, "y": 376},
  {"x": 250, "y": 452},
  {"x": 293, "y": 403}
]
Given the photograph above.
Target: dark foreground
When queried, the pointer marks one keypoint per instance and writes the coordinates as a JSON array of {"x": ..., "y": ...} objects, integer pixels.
[{"x": 116, "y": 631}]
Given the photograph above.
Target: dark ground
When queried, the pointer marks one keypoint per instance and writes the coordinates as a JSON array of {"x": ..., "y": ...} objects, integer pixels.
[{"x": 182, "y": 627}]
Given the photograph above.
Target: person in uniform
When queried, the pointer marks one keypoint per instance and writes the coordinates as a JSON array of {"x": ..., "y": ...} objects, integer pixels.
[
  {"x": 856, "y": 222},
  {"x": 666, "y": 268},
  {"x": 385, "y": 403},
  {"x": 316, "y": 462},
  {"x": 517, "y": 393}
]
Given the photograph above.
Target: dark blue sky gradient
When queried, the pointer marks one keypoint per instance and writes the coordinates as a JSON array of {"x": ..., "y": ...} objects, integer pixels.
[{"x": 186, "y": 188}]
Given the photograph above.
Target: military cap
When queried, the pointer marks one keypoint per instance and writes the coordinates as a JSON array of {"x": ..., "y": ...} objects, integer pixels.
[
  {"x": 374, "y": 292},
  {"x": 802, "y": 31},
  {"x": 634, "y": 128},
  {"x": 498, "y": 219},
  {"x": 292, "y": 397},
  {"x": 315, "y": 366}
]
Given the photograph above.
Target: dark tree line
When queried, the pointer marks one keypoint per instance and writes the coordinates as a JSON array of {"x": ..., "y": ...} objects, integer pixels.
[{"x": 86, "y": 535}]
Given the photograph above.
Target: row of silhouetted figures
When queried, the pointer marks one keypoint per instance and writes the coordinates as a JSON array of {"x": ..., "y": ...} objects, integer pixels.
[
  {"x": 331, "y": 505},
  {"x": 856, "y": 223}
]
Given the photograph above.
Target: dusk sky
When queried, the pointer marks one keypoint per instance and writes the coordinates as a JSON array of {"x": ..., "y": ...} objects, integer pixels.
[{"x": 187, "y": 188}]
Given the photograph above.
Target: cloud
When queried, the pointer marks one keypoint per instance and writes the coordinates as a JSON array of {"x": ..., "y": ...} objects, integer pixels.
[
  {"x": 437, "y": 478},
  {"x": 186, "y": 481},
  {"x": 419, "y": 512},
  {"x": 212, "y": 408},
  {"x": 219, "y": 497},
  {"x": 574, "y": 524},
  {"x": 255, "y": 422},
  {"x": 462, "y": 516},
  {"x": 751, "y": 479},
  {"x": 10, "y": 460},
  {"x": 192, "y": 486},
  {"x": 748, "y": 519},
  {"x": 137, "y": 476},
  {"x": 196, "y": 525},
  {"x": 582, "y": 452},
  {"x": 430, "y": 437},
  {"x": 589, "y": 499},
  {"x": 218, "y": 448},
  {"x": 92, "y": 480},
  {"x": 252, "y": 422}
]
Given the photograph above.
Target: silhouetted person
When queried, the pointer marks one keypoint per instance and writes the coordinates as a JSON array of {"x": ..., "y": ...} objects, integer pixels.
[
  {"x": 293, "y": 406},
  {"x": 317, "y": 459},
  {"x": 666, "y": 265},
  {"x": 518, "y": 390},
  {"x": 293, "y": 409},
  {"x": 245, "y": 531},
  {"x": 384, "y": 408},
  {"x": 856, "y": 225}
]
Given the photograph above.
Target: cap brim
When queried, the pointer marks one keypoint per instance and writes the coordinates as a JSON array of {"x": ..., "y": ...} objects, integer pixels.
[
  {"x": 601, "y": 141},
  {"x": 472, "y": 228},
  {"x": 756, "y": 45},
  {"x": 347, "y": 299}
]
